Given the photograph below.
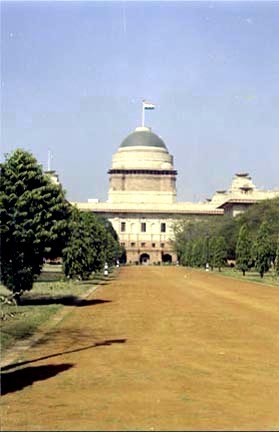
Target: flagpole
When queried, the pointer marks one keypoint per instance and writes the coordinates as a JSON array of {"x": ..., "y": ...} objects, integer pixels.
[{"x": 143, "y": 113}]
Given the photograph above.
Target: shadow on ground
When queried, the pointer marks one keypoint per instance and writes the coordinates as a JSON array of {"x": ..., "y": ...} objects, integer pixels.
[
  {"x": 106, "y": 342},
  {"x": 21, "y": 378},
  {"x": 69, "y": 300}
]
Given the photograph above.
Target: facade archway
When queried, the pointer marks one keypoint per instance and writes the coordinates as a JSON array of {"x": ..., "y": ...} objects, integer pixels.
[
  {"x": 123, "y": 258},
  {"x": 166, "y": 258},
  {"x": 144, "y": 258}
]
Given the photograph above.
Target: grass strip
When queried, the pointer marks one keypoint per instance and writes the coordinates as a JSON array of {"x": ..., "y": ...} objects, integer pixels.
[
  {"x": 269, "y": 278},
  {"x": 49, "y": 294}
]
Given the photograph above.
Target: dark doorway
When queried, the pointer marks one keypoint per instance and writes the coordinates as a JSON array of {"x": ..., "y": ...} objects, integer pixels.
[
  {"x": 123, "y": 258},
  {"x": 166, "y": 258},
  {"x": 144, "y": 258}
]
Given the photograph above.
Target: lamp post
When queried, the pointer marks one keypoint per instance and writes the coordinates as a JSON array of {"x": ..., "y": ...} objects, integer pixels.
[
  {"x": 106, "y": 269},
  {"x": 207, "y": 252}
]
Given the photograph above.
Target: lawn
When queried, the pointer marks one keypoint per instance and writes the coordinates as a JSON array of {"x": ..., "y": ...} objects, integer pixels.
[
  {"x": 49, "y": 294},
  {"x": 269, "y": 278}
]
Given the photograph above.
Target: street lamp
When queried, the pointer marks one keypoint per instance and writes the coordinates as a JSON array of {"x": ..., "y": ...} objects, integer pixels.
[{"x": 207, "y": 252}]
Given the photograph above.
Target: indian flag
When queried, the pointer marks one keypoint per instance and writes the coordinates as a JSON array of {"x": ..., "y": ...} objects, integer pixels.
[{"x": 148, "y": 105}]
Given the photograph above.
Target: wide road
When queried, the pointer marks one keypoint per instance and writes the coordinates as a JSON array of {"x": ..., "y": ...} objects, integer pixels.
[{"x": 156, "y": 348}]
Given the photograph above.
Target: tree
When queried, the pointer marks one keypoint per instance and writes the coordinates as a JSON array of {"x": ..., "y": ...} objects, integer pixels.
[
  {"x": 267, "y": 210},
  {"x": 208, "y": 227},
  {"x": 262, "y": 249},
  {"x": 243, "y": 249},
  {"x": 211, "y": 252},
  {"x": 277, "y": 259},
  {"x": 205, "y": 251},
  {"x": 76, "y": 254},
  {"x": 197, "y": 259},
  {"x": 111, "y": 246},
  {"x": 188, "y": 257},
  {"x": 34, "y": 215},
  {"x": 91, "y": 243},
  {"x": 189, "y": 229},
  {"x": 219, "y": 252},
  {"x": 228, "y": 227}
]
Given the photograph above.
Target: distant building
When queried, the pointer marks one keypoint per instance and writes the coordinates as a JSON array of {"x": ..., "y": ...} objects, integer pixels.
[
  {"x": 142, "y": 204},
  {"x": 241, "y": 195}
]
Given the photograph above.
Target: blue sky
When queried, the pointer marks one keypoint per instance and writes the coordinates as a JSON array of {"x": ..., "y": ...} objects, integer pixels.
[{"x": 74, "y": 74}]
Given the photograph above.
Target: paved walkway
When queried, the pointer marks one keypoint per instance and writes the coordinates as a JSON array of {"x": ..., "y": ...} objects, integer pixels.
[{"x": 155, "y": 349}]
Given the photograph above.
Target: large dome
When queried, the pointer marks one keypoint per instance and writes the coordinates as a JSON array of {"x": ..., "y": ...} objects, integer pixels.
[
  {"x": 142, "y": 170},
  {"x": 142, "y": 136}
]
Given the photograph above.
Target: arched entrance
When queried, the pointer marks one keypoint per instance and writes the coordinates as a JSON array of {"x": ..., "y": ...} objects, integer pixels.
[
  {"x": 123, "y": 258},
  {"x": 144, "y": 258},
  {"x": 166, "y": 258}
]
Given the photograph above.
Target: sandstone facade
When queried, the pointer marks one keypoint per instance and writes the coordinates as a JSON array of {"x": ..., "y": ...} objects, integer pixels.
[{"x": 142, "y": 204}]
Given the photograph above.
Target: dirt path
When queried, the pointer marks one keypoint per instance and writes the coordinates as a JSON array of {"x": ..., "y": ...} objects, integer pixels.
[{"x": 155, "y": 349}]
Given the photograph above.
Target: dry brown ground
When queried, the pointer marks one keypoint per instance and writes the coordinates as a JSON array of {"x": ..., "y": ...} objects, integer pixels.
[{"x": 170, "y": 349}]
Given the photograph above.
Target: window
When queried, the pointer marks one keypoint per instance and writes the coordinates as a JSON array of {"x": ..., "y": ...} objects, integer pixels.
[
  {"x": 162, "y": 245},
  {"x": 132, "y": 244},
  {"x": 143, "y": 227},
  {"x": 142, "y": 244},
  {"x": 153, "y": 245},
  {"x": 122, "y": 244},
  {"x": 123, "y": 226},
  {"x": 163, "y": 227}
]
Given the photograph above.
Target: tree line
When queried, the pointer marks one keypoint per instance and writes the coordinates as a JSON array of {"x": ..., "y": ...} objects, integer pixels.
[
  {"x": 248, "y": 241},
  {"x": 38, "y": 223}
]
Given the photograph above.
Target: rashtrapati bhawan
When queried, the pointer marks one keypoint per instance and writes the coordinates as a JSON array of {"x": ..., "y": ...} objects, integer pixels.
[{"x": 142, "y": 205}]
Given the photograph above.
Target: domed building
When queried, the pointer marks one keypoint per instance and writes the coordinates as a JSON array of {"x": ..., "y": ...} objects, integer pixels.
[
  {"x": 141, "y": 201},
  {"x": 142, "y": 204},
  {"x": 142, "y": 170}
]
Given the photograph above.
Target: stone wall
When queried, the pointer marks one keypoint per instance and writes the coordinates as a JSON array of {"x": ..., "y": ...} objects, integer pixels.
[
  {"x": 139, "y": 182},
  {"x": 149, "y": 235}
]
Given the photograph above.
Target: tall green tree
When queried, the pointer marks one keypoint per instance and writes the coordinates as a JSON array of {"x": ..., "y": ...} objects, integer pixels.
[
  {"x": 267, "y": 210},
  {"x": 206, "y": 228},
  {"x": 33, "y": 220},
  {"x": 190, "y": 229},
  {"x": 219, "y": 252},
  {"x": 91, "y": 243},
  {"x": 111, "y": 246},
  {"x": 76, "y": 254},
  {"x": 243, "y": 249},
  {"x": 262, "y": 249},
  {"x": 197, "y": 258},
  {"x": 188, "y": 257},
  {"x": 277, "y": 259},
  {"x": 211, "y": 252},
  {"x": 205, "y": 251}
]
